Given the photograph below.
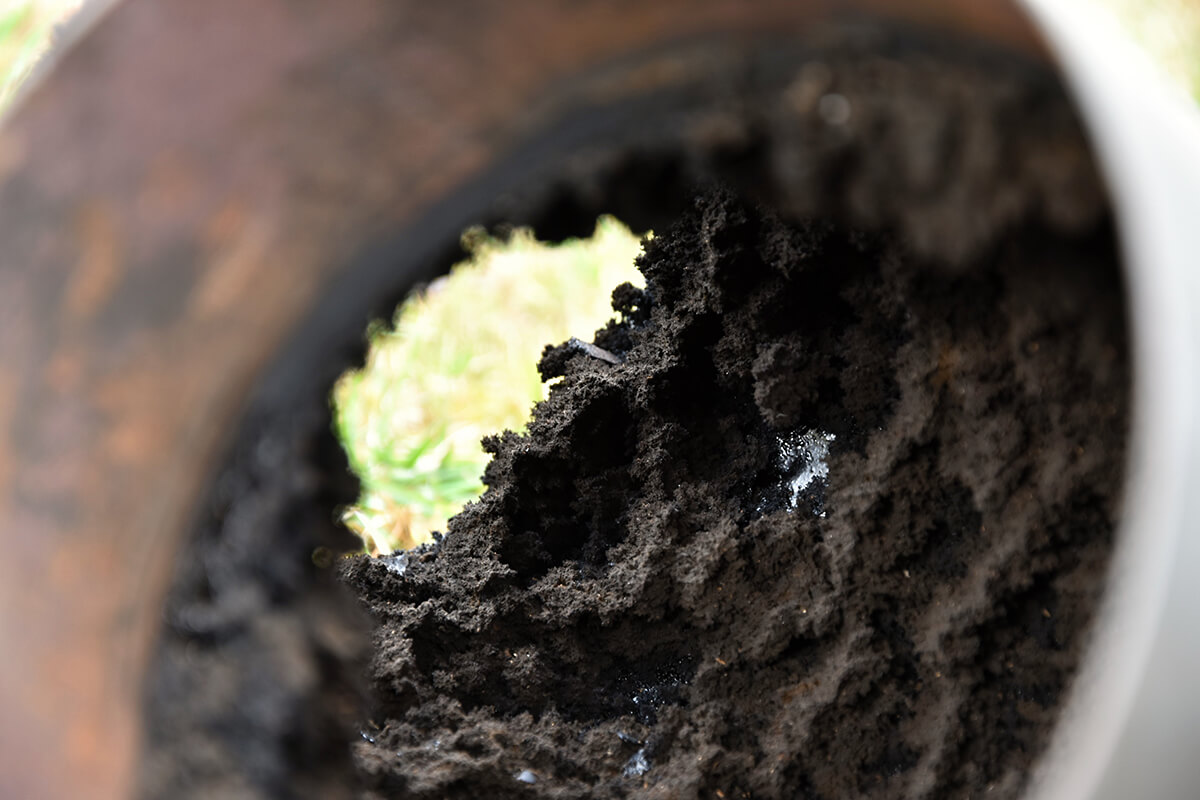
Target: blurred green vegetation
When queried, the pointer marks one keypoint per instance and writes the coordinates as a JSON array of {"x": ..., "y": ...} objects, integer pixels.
[
  {"x": 459, "y": 363},
  {"x": 26, "y": 30},
  {"x": 20, "y": 44},
  {"x": 1169, "y": 30}
]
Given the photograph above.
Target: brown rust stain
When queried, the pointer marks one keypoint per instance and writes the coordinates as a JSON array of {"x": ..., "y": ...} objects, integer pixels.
[
  {"x": 12, "y": 152},
  {"x": 169, "y": 187},
  {"x": 98, "y": 270},
  {"x": 88, "y": 743},
  {"x": 233, "y": 241},
  {"x": 62, "y": 606},
  {"x": 139, "y": 429},
  {"x": 65, "y": 372},
  {"x": 8, "y": 404}
]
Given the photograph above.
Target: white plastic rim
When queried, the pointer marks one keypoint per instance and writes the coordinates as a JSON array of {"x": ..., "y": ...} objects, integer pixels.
[{"x": 1131, "y": 728}]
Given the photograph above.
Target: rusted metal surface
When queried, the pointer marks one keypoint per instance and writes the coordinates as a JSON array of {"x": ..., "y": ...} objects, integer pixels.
[{"x": 179, "y": 193}]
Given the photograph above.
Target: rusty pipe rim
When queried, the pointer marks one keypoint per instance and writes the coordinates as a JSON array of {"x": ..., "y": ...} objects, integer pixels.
[{"x": 171, "y": 143}]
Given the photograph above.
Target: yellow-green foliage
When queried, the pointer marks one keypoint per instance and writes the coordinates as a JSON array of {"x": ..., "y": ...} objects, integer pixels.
[
  {"x": 460, "y": 363},
  {"x": 26, "y": 30},
  {"x": 1169, "y": 30},
  {"x": 20, "y": 44}
]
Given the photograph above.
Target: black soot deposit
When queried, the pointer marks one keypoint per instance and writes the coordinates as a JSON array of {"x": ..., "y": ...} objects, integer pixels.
[{"x": 830, "y": 522}]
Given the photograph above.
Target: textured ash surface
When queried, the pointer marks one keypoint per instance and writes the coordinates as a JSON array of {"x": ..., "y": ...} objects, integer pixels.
[
  {"x": 638, "y": 607},
  {"x": 255, "y": 681},
  {"x": 914, "y": 641}
]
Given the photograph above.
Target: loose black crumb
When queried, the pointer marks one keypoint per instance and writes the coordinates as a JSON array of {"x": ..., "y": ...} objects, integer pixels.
[{"x": 835, "y": 527}]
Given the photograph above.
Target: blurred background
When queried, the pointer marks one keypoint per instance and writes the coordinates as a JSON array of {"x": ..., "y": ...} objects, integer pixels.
[
  {"x": 27, "y": 29},
  {"x": 458, "y": 359},
  {"x": 1169, "y": 30}
]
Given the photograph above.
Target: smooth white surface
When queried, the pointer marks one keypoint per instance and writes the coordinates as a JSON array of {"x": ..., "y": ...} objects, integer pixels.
[{"x": 1132, "y": 727}]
